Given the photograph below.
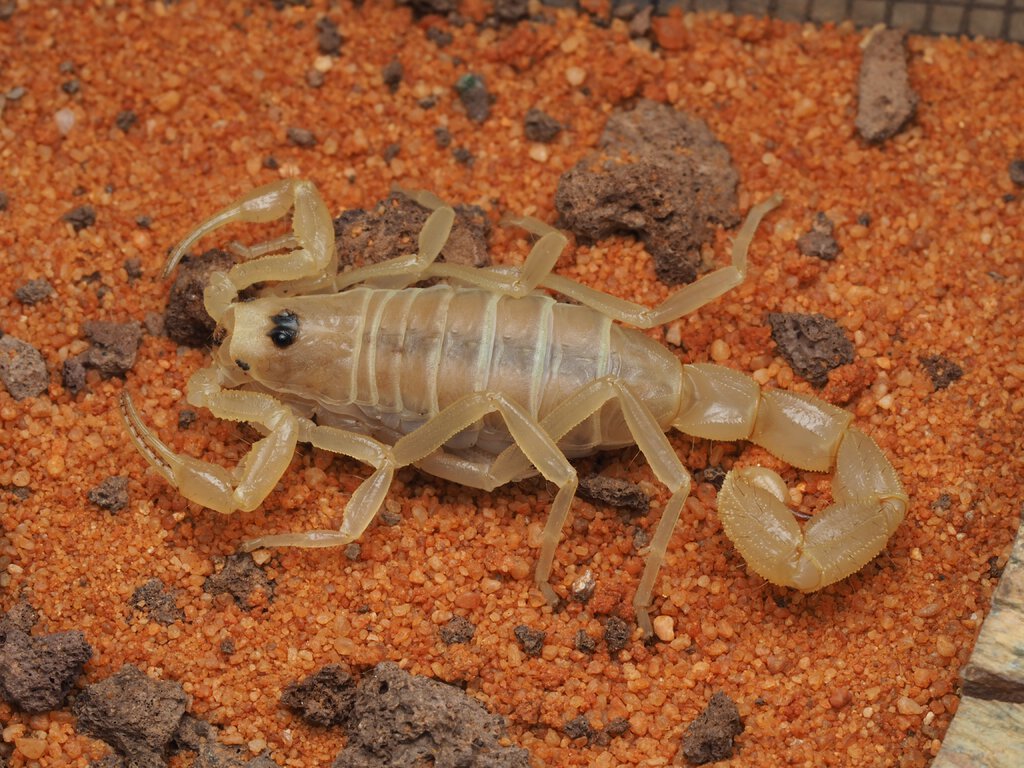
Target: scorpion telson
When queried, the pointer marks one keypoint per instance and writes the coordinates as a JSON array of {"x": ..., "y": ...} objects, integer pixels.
[
  {"x": 285, "y": 330},
  {"x": 487, "y": 380}
]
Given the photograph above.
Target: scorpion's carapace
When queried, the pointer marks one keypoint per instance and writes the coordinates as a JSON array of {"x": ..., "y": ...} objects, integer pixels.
[{"x": 486, "y": 380}]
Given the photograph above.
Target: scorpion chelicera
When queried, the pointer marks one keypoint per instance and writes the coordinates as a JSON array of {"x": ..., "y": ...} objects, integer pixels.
[{"x": 488, "y": 379}]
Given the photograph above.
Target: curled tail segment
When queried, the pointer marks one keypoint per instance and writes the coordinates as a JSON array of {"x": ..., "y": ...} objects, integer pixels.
[{"x": 869, "y": 501}]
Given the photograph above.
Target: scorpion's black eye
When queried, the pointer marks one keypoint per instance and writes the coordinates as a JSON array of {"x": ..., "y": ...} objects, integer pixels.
[{"x": 285, "y": 330}]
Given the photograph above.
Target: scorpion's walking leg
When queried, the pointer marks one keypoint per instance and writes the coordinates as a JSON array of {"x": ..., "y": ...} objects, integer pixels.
[
  {"x": 655, "y": 447},
  {"x": 536, "y": 272},
  {"x": 811, "y": 434},
  {"x": 539, "y": 449},
  {"x": 243, "y": 488}
]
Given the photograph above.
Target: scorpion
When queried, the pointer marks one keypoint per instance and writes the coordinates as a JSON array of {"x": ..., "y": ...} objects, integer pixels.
[{"x": 487, "y": 379}]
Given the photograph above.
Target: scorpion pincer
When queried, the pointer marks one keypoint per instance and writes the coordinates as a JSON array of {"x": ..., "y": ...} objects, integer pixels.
[{"x": 485, "y": 379}]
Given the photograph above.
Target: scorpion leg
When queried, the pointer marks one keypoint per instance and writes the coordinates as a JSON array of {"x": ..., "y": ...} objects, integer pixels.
[
  {"x": 655, "y": 447},
  {"x": 312, "y": 233},
  {"x": 811, "y": 434},
  {"x": 684, "y": 301},
  {"x": 211, "y": 485}
]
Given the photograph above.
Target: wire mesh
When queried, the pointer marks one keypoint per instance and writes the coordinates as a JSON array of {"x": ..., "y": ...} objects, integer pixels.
[{"x": 1002, "y": 19}]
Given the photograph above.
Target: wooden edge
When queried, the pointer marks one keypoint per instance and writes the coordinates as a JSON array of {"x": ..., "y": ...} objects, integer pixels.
[{"x": 988, "y": 728}]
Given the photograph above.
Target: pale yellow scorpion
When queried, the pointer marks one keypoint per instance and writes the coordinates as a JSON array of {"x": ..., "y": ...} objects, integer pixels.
[{"x": 488, "y": 380}]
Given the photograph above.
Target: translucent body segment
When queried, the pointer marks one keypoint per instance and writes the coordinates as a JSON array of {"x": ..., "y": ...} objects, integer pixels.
[
  {"x": 718, "y": 404},
  {"x": 801, "y": 430}
]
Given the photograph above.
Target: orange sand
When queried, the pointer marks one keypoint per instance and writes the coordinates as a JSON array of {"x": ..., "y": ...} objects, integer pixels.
[{"x": 861, "y": 674}]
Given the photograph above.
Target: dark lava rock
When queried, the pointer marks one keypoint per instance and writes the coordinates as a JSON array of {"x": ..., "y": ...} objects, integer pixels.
[
  {"x": 392, "y": 229},
  {"x": 885, "y": 100},
  {"x": 185, "y": 319},
  {"x": 157, "y": 601},
  {"x": 540, "y": 126},
  {"x": 36, "y": 673},
  {"x": 401, "y": 720},
  {"x": 239, "y": 577},
  {"x": 328, "y": 37},
  {"x": 530, "y": 640},
  {"x": 614, "y": 492},
  {"x": 616, "y": 634},
  {"x": 324, "y": 698},
  {"x": 21, "y": 617},
  {"x": 474, "y": 97},
  {"x": 584, "y": 643},
  {"x": 113, "y": 351},
  {"x": 578, "y": 728},
  {"x": 81, "y": 217},
  {"x": 111, "y": 494},
  {"x": 812, "y": 344},
  {"x": 22, "y": 368},
  {"x": 33, "y": 291},
  {"x": 133, "y": 713},
  {"x": 659, "y": 174},
  {"x": 301, "y": 137},
  {"x": 458, "y": 630},
  {"x": 941, "y": 370},
  {"x": 392, "y": 74},
  {"x": 818, "y": 241},
  {"x": 709, "y": 738},
  {"x": 1016, "y": 171}
]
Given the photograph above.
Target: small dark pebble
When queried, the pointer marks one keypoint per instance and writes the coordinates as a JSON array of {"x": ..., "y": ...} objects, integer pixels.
[
  {"x": 509, "y": 11},
  {"x": 616, "y": 634},
  {"x": 812, "y": 344},
  {"x": 22, "y": 368},
  {"x": 66, "y": 67},
  {"x": 584, "y": 643},
  {"x": 133, "y": 268},
  {"x": 819, "y": 241},
  {"x": 540, "y": 126},
  {"x": 1016, "y": 170},
  {"x": 144, "y": 222},
  {"x": 442, "y": 137},
  {"x": 300, "y": 137},
  {"x": 125, "y": 120},
  {"x": 427, "y": 102},
  {"x": 713, "y": 475},
  {"x": 353, "y": 551},
  {"x": 941, "y": 370},
  {"x": 709, "y": 738},
  {"x": 392, "y": 74},
  {"x": 239, "y": 577},
  {"x": 439, "y": 37},
  {"x": 186, "y": 418},
  {"x": 617, "y": 727},
  {"x": 389, "y": 518},
  {"x": 530, "y": 640},
  {"x": 864, "y": 219},
  {"x": 157, "y": 602},
  {"x": 270, "y": 163},
  {"x": 641, "y": 538},
  {"x": 71, "y": 87},
  {"x": 474, "y": 97},
  {"x": 81, "y": 217},
  {"x": 391, "y": 151},
  {"x": 227, "y": 646},
  {"x": 111, "y": 494},
  {"x": 72, "y": 376},
  {"x": 458, "y": 630},
  {"x": 328, "y": 37},
  {"x": 943, "y": 502},
  {"x": 463, "y": 156},
  {"x": 615, "y": 492},
  {"x": 34, "y": 291},
  {"x": 5, "y": 201},
  {"x": 185, "y": 319},
  {"x": 324, "y": 698},
  {"x": 578, "y": 728}
]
